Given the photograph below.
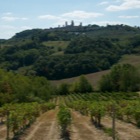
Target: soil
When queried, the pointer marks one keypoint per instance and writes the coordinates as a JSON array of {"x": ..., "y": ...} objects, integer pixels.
[
  {"x": 125, "y": 131},
  {"x": 45, "y": 128},
  {"x": 2, "y": 132},
  {"x": 83, "y": 129}
]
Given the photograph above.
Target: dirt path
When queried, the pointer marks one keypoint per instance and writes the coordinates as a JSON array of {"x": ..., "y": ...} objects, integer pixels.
[
  {"x": 2, "y": 132},
  {"x": 83, "y": 129},
  {"x": 125, "y": 131},
  {"x": 45, "y": 128}
]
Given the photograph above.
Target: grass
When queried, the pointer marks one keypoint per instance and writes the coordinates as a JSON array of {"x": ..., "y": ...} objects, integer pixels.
[
  {"x": 57, "y": 44},
  {"x": 131, "y": 59},
  {"x": 109, "y": 131},
  {"x": 58, "y": 53},
  {"x": 94, "y": 78}
]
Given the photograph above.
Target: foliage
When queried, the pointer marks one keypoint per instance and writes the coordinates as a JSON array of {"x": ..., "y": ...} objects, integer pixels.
[
  {"x": 121, "y": 78},
  {"x": 20, "y": 116},
  {"x": 83, "y": 49},
  {"x": 18, "y": 88},
  {"x": 64, "y": 119},
  {"x": 82, "y": 85},
  {"x": 126, "y": 107},
  {"x": 63, "y": 89},
  {"x": 97, "y": 110}
]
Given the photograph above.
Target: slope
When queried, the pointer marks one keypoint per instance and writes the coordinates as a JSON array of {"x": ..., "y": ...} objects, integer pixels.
[{"x": 94, "y": 78}]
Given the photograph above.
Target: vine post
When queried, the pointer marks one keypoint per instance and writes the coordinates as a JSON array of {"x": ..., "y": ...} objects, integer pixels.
[
  {"x": 113, "y": 121},
  {"x": 8, "y": 125}
]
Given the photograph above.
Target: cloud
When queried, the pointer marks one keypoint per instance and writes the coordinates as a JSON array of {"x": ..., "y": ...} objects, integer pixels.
[
  {"x": 116, "y": 1},
  {"x": 7, "y": 14},
  {"x": 125, "y": 5},
  {"x": 9, "y": 17},
  {"x": 72, "y": 15},
  {"x": 77, "y": 16},
  {"x": 6, "y": 27},
  {"x": 49, "y": 17},
  {"x": 129, "y": 17},
  {"x": 23, "y": 18},
  {"x": 103, "y": 3},
  {"x": 7, "y": 31},
  {"x": 81, "y": 15},
  {"x": 25, "y": 27},
  {"x": 12, "y": 18}
]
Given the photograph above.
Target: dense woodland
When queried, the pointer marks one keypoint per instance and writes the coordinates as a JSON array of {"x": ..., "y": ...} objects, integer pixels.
[
  {"x": 31, "y": 57},
  {"x": 15, "y": 88},
  {"x": 69, "y": 51}
]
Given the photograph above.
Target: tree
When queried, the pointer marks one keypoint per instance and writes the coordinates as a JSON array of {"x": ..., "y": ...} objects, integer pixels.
[
  {"x": 130, "y": 78},
  {"x": 82, "y": 86},
  {"x": 63, "y": 89},
  {"x": 123, "y": 77},
  {"x": 105, "y": 83}
]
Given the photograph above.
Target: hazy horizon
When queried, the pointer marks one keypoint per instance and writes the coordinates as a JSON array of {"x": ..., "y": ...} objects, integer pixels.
[{"x": 16, "y": 16}]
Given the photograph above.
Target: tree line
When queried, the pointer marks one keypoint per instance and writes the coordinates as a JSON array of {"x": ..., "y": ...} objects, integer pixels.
[
  {"x": 122, "y": 78},
  {"x": 87, "y": 51},
  {"x": 15, "y": 88}
]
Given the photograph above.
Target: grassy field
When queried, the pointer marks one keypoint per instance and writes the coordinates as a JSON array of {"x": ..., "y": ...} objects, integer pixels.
[
  {"x": 94, "y": 78},
  {"x": 131, "y": 59},
  {"x": 57, "y": 44}
]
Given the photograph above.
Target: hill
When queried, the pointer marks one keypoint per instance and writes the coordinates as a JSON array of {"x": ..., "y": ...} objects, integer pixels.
[
  {"x": 94, "y": 78},
  {"x": 70, "y": 51}
]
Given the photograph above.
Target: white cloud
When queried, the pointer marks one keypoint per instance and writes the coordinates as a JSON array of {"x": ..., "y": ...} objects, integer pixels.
[
  {"x": 104, "y": 3},
  {"x": 7, "y": 31},
  {"x": 23, "y": 18},
  {"x": 49, "y": 17},
  {"x": 125, "y": 5},
  {"x": 12, "y": 18},
  {"x": 81, "y": 15},
  {"x": 25, "y": 27},
  {"x": 128, "y": 17},
  {"x": 8, "y": 17},
  {"x": 6, "y": 27},
  {"x": 75, "y": 15},
  {"x": 118, "y": 1},
  {"x": 7, "y": 14}
]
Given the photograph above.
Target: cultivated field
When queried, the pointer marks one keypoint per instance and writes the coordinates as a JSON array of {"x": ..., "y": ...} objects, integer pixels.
[{"x": 84, "y": 112}]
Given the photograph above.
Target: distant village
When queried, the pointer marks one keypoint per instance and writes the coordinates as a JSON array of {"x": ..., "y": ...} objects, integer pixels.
[{"x": 72, "y": 24}]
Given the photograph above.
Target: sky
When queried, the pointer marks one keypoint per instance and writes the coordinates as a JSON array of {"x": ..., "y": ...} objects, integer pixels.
[{"x": 19, "y": 15}]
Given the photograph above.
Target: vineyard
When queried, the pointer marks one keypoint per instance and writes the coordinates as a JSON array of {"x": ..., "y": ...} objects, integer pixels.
[{"x": 92, "y": 116}]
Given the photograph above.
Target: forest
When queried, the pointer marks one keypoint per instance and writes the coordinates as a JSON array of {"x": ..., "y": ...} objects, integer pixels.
[
  {"x": 65, "y": 52},
  {"x": 30, "y": 104}
]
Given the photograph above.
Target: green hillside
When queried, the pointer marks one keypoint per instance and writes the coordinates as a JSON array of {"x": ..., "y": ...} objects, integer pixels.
[
  {"x": 94, "y": 78},
  {"x": 131, "y": 59},
  {"x": 58, "y": 47},
  {"x": 60, "y": 53}
]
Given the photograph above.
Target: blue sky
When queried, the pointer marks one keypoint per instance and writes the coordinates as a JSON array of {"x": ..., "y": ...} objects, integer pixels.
[{"x": 19, "y": 15}]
